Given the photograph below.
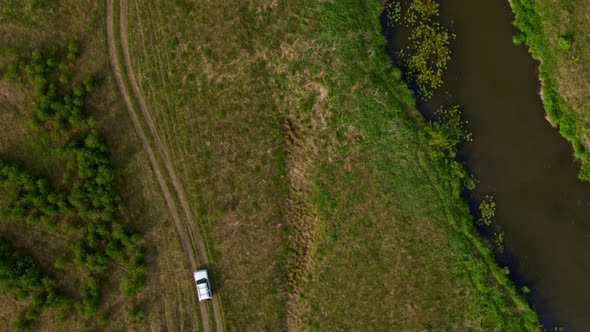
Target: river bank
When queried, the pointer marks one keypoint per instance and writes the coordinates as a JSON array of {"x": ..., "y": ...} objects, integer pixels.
[
  {"x": 556, "y": 34},
  {"x": 386, "y": 198},
  {"x": 397, "y": 34},
  {"x": 519, "y": 159}
]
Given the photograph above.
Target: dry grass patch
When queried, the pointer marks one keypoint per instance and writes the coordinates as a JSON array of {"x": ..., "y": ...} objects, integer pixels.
[{"x": 205, "y": 70}]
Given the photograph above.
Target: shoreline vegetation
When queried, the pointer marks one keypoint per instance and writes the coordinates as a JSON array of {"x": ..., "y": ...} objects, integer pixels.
[
  {"x": 550, "y": 39},
  {"x": 423, "y": 60},
  {"x": 408, "y": 165}
]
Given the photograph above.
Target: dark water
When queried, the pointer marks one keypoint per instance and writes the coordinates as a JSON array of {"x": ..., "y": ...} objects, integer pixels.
[{"x": 521, "y": 160}]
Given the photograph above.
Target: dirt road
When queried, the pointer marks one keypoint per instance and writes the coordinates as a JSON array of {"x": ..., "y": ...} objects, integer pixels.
[{"x": 190, "y": 237}]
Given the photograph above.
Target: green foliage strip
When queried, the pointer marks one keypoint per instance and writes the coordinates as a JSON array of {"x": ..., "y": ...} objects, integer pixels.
[
  {"x": 86, "y": 201},
  {"x": 528, "y": 20}
]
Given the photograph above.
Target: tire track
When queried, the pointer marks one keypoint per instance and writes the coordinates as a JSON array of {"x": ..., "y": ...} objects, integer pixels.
[
  {"x": 117, "y": 70},
  {"x": 154, "y": 134}
]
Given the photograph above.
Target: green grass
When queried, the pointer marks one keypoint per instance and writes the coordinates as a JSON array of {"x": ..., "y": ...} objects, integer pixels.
[
  {"x": 300, "y": 143},
  {"x": 307, "y": 164},
  {"x": 556, "y": 34},
  {"x": 395, "y": 238}
]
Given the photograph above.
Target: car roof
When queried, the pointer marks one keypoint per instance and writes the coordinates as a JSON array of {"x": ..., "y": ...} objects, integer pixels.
[
  {"x": 203, "y": 289},
  {"x": 202, "y": 280},
  {"x": 200, "y": 274}
]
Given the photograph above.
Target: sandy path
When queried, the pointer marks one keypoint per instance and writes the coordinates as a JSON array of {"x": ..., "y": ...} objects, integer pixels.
[{"x": 193, "y": 234}]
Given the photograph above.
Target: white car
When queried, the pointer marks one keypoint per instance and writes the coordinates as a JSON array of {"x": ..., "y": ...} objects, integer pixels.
[{"x": 203, "y": 286}]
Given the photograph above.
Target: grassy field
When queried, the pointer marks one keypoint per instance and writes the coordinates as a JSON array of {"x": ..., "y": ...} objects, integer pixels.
[
  {"x": 311, "y": 171},
  {"x": 557, "y": 34},
  {"x": 323, "y": 200},
  {"x": 163, "y": 299},
  {"x": 220, "y": 121}
]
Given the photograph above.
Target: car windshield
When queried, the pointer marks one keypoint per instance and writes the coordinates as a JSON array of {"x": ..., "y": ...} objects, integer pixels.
[{"x": 201, "y": 281}]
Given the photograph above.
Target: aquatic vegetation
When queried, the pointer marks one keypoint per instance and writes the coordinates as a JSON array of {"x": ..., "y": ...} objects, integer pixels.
[
  {"x": 487, "y": 211},
  {"x": 499, "y": 240},
  {"x": 427, "y": 53}
]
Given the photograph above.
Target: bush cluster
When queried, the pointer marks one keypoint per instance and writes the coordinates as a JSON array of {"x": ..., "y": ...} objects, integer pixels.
[
  {"x": 86, "y": 198},
  {"x": 19, "y": 273},
  {"x": 54, "y": 97},
  {"x": 27, "y": 198},
  {"x": 135, "y": 313},
  {"x": 90, "y": 298}
]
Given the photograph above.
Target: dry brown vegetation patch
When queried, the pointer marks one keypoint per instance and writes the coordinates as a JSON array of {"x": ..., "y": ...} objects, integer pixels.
[{"x": 209, "y": 82}]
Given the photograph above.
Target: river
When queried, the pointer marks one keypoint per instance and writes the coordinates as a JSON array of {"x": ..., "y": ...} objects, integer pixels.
[{"x": 520, "y": 159}]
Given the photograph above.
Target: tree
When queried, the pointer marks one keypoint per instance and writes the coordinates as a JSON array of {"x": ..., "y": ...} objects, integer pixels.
[
  {"x": 73, "y": 51},
  {"x": 11, "y": 72}
]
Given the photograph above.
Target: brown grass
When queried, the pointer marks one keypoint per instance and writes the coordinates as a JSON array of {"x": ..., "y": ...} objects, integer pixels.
[{"x": 219, "y": 121}]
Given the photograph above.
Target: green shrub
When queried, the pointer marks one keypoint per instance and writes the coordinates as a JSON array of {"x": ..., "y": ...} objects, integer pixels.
[
  {"x": 90, "y": 299},
  {"x": 565, "y": 42},
  {"x": 11, "y": 72},
  {"x": 22, "y": 324},
  {"x": 27, "y": 197},
  {"x": 519, "y": 39},
  {"x": 104, "y": 320},
  {"x": 19, "y": 273},
  {"x": 60, "y": 263},
  {"x": 448, "y": 130},
  {"x": 73, "y": 51},
  {"x": 135, "y": 313},
  {"x": 86, "y": 200}
]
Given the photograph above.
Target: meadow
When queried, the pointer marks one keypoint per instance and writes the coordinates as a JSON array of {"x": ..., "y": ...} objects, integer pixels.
[
  {"x": 289, "y": 124},
  {"x": 326, "y": 201}
]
